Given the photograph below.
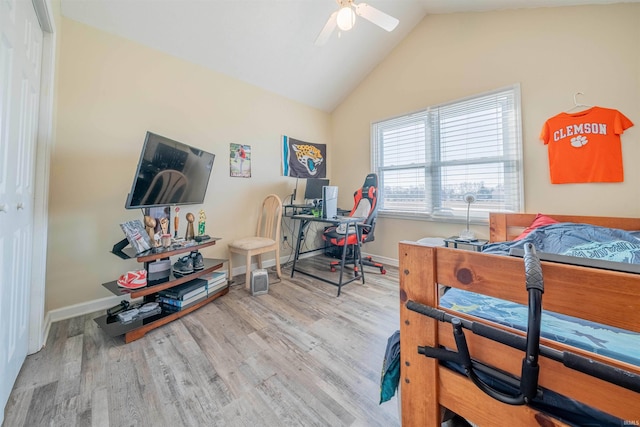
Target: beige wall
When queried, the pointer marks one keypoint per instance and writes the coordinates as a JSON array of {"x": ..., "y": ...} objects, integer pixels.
[
  {"x": 111, "y": 91},
  {"x": 552, "y": 53}
]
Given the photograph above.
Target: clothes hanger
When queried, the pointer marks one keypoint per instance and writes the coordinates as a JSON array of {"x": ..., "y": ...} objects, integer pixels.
[{"x": 576, "y": 104}]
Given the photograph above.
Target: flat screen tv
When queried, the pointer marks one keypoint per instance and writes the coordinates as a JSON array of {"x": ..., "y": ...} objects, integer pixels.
[{"x": 169, "y": 173}]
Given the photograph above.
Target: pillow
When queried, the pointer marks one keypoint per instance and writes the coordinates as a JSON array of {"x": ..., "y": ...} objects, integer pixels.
[{"x": 539, "y": 221}]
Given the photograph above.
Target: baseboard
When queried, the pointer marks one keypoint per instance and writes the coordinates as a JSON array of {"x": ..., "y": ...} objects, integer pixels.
[
  {"x": 83, "y": 308},
  {"x": 45, "y": 329},
  {"x": 383, "y": 260},
  {"x": 76, "y": 310},
  {"x": 236, "y": 271}
]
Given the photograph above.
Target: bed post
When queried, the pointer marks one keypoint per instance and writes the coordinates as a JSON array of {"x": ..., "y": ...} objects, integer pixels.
[
  {"x": 418, "y": 374},
  {"x": 497, "y": 227}
]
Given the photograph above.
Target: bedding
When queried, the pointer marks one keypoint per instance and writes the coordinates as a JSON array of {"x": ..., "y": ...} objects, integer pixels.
[
  {"x": 581, "y": 240},
  {"x": 539, "y": 221},
  {"x": 572, "y": 239}
]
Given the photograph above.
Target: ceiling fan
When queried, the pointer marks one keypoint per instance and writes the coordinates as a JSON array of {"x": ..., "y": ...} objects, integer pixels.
[{"x": 345, "y": 18}]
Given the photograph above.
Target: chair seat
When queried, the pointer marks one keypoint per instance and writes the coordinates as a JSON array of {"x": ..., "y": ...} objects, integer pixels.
[
  {"x": 265, "y": 240},
  {"x": 251, "y": 243},
  {"x": 335, "y": 238}
]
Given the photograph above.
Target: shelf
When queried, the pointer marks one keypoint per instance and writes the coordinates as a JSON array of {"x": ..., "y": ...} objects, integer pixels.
[
  {"x": 210, "y": 264},
  {"x": 138, "y": 328},
  {"x": 158, "y": 253}
]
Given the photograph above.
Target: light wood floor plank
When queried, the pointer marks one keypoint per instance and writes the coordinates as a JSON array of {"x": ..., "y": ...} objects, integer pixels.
[{"x": 297, "y": 356}]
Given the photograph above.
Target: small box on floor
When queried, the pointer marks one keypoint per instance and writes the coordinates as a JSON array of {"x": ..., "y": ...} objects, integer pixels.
[{"x": 259, "y": 282}]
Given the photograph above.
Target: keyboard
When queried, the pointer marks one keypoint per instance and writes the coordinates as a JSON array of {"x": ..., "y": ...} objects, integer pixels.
[
  {"x": 350, "y": 217},
  {"x": 304, "y": 216},
  {"x": 301, "y": 206}
]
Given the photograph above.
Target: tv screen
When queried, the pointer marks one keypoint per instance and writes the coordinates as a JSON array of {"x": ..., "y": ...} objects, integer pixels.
[
  {"x": 314, "y": 188},
  {"x": 169, "y": 173}
]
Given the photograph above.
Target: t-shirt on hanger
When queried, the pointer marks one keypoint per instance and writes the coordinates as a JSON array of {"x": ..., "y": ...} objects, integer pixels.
[{"x": 585, "y": 146}]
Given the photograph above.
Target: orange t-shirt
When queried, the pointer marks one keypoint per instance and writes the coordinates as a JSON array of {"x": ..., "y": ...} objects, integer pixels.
[{"x": 585, "y": 146}]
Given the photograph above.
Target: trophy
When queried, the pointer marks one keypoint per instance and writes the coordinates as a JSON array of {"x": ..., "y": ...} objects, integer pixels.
[
  {"x": 201, "y": 222},
  {"x": 190, "y": 234}
]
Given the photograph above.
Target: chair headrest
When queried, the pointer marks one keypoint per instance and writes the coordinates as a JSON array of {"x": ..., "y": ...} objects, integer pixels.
[
  {"x": 370, "y": 185},
  {"x": 370, "y": 181}
]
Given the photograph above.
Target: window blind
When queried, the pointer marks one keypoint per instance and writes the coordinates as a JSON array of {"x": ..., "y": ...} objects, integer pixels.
[{"x": 428, "y": 160}]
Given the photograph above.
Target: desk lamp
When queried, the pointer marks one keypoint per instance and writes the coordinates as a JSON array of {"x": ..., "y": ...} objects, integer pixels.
[{"x": 468, "y": 234}]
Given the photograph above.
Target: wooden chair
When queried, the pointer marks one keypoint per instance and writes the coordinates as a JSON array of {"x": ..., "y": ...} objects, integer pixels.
[{"x": 265, "y": 240}]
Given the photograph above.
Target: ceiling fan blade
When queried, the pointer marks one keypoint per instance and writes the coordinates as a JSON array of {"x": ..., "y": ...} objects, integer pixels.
[
  {"x": 327, "y": 30},
  {"x": 379, "y": 18}
]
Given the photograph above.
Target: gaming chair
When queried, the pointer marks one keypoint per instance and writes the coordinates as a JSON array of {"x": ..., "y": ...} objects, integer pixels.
[{"x": 366, "y": 206}]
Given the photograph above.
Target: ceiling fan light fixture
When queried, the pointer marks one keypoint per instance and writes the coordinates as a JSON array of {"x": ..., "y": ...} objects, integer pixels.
[{"x": 346, "y": 18}]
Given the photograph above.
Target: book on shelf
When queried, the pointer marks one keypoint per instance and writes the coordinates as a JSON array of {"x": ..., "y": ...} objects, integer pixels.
[
  {"x": 214, "y": 277},
  {"x": 185, "y": 289},
  {"x": 181, "y": 303},
  {"x": 174, "y": 304},
  {"x": 212, "y": 289}
]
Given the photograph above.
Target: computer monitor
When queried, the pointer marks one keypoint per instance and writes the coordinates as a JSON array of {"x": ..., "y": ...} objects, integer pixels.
[
  {"x": 329, "y": 201},
  {"x": 314, "y": 188}
]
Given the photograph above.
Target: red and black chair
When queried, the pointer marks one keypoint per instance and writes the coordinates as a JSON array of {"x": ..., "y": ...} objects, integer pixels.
[{"x": 365, "y": 206}]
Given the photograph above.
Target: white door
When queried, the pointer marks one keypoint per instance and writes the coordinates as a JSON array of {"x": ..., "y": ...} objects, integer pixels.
[{"x": 20, "y": 65}]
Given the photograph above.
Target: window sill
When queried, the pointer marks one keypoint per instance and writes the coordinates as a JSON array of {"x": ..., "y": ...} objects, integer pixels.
[{"x": 430, "y": 218}]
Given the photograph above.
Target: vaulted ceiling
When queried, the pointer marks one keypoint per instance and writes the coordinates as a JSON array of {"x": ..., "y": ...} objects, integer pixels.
[{"x": 270, "y": 43}]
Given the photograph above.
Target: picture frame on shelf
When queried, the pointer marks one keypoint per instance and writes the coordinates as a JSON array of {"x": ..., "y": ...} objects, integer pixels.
[{"x": 136, "y": 235}]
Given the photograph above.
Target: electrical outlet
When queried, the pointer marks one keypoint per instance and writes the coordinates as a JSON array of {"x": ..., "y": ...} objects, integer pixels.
[{"x": 284, "y": 239}]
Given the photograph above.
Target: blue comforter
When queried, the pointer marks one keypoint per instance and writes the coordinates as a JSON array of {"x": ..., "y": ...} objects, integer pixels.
[
  {"x": 580, "y": 240},
  {"x": 567, "y": 239}
]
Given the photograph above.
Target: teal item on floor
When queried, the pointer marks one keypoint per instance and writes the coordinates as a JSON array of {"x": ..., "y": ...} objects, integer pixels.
[{"x": 390, "y": 368}]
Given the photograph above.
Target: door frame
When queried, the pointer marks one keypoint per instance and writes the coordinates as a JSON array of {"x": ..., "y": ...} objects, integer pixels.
[{"x": 44, "y": 142}]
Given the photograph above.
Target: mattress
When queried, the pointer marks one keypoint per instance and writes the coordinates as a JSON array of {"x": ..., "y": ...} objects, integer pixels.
[
  {"x": 580, "y": 240},
  {"x": 594, "y": 337}
]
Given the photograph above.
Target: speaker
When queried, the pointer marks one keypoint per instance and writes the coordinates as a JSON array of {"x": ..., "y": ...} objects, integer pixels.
[
  {"x": 259, "y": 282},
  {"x": 159, "y": 271}
]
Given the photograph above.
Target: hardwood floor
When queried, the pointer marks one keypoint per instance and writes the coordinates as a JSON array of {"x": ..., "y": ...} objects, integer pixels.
[{"x": 297, "y": 356}]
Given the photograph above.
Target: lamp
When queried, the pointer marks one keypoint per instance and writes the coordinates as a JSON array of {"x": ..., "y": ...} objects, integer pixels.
[
  {"x": 346, "y": 18},
  {"x": 468, "y": 234}
]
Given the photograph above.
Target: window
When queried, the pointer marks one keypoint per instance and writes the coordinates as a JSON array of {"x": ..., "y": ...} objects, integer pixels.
[{"x": 428, "y": 160}]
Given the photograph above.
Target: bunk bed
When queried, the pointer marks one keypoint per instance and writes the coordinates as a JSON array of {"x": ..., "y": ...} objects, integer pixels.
[{"x": 605, "y": 297}]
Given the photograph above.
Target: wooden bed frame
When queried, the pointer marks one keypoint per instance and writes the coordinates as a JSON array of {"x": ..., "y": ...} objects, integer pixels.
[{"x": 606, "y": 297}]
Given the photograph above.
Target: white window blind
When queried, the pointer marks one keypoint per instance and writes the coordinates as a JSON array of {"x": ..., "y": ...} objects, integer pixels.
[{"x": 428, "y": 160}]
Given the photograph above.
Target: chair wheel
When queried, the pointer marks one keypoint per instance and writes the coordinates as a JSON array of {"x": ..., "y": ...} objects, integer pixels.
[
  {"x": 383, "y": 271},
  {"x": 333, "y": 269}
]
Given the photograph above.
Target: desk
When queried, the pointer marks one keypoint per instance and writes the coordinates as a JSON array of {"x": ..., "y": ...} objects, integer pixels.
[
  {"x": 348, "y": 221},
  {"x": 305, "y": 209},
  {"x": 296, "y": 209}
]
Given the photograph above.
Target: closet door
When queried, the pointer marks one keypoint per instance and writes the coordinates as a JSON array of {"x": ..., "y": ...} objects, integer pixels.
[{"x": 20, "y": 65}]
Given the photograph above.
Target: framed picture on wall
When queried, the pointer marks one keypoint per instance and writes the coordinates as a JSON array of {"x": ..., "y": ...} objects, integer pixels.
[{"x": 240, "y": 160}]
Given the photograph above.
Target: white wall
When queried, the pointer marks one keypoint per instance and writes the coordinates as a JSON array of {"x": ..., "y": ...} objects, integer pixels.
[{"x": 552, "y": 52}]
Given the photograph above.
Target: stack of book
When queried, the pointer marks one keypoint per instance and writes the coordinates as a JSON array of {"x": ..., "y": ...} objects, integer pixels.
[
  {"x": 216, "y": 280},
  {"x": 181, "y": 296}
]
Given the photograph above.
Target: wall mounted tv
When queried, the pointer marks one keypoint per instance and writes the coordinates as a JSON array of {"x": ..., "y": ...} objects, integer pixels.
[{"x": 169, "y": 173}]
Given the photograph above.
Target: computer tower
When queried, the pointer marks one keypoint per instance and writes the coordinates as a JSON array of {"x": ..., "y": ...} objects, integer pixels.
[
  {"x": 329, "y": 201},
  {"x": 259, "y": 282}
]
